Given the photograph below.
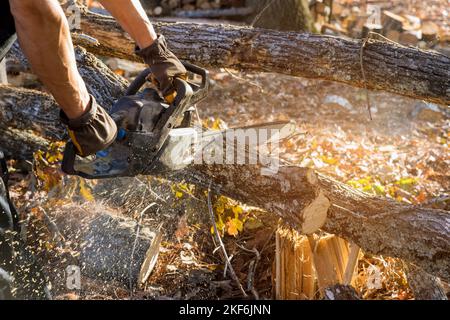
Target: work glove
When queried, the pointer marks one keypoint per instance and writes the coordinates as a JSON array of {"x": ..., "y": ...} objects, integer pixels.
[
  {"x": 165, "y": 66},
  {"x": 94, "y": 131}
]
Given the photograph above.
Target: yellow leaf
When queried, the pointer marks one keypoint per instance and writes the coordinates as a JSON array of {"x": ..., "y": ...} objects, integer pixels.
[
  {"x": 330, "y": 161},
  {"x": 220, "y": 208},
  {"x": 406, "y": 182},
  {"x": 232, "y": 229},
  {"x": 237, "y": 210},
  {"x": 353, "y": 183},
  {"x": 85, "y": 192},
  {"x": 379, "y": 189},
  {"x": 234, "y": 226},
  {"x": 179, "y": 194}
]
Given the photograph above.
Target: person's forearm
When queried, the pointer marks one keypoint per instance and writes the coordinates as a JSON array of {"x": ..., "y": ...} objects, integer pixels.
[
  {"x": 44, "y": 37},
  {"x": 133, "y": 19}
]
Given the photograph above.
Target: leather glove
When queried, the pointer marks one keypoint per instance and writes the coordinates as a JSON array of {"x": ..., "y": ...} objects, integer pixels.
[
  {"x": 93, "y": 131},
  {"x": 165, "y": 66}
]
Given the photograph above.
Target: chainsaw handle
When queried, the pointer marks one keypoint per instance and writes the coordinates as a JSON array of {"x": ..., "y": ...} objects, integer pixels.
[
  {"x": 137, "y": 84},
  {"x": 68, "y": 162},
  {"x": 200, "y": 92}
]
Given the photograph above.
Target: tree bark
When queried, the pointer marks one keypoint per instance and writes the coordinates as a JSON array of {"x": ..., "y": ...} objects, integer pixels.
[
  {"x": 401, "y": 70},
  {"x": 424, "y": 285}
]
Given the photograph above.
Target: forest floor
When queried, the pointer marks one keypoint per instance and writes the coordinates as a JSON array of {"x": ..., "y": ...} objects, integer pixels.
[{"x": 403, "y": 153}]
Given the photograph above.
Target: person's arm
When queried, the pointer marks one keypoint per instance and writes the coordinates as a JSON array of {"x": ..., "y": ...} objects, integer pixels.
[
  {"x": 133, "y": 19},
  {"x": 44, "y": 37},
  {"x": 153, "y": 48}
]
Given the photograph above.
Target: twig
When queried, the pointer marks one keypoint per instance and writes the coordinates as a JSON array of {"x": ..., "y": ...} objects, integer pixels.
[
  {"x": 258, "y": 16},
  {"x": 157, "y": 196},
  {"x": 363, "y": 72},
  {"x": 252, "y": 271},
  {"x": 222, "y": 246},
  {"x": 261, "y": 89}
]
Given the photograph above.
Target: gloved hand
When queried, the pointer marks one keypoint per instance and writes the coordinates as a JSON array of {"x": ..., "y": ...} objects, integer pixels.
[
  {"x": 93, "y": 131},
  {"x": 165, "y": 66}
]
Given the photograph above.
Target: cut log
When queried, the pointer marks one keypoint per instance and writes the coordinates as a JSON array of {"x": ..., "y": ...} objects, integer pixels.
[
  {"x": 430, "y": 31},
  {"x": 377, "y": 225},
  {"x": 330, "y": 254},
  {"x": 390, "y": 226},
  {"x": 294, "y": 278},
  {"x": 352, "y": 263},
  {"x": 392, "y": 21},
  {"x": 402, "y": 70}
]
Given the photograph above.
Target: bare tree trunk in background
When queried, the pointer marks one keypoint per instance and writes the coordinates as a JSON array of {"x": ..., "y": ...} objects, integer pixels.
[
  {"x": 283, "y": 15},
  {"x": 149, "y": 4}
]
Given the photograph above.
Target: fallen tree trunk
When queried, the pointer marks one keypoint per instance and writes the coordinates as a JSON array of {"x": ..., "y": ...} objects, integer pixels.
[
  {"x": 394, "y": 68},
  {"x": 377, "y": 225},
  {"x": 299, "y": 196}
]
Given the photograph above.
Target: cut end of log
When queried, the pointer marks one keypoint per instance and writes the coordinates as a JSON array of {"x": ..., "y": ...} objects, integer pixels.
[
  {"x": 150, "y": 260},
  {"x": 315, "y": 214}
]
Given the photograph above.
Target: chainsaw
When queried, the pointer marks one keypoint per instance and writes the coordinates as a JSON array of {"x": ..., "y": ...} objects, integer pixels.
[{"x": 155, "y": 136}]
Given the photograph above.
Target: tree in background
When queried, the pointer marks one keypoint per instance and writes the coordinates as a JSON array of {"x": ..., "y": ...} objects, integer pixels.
[{"x": 285, "y": 15}]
